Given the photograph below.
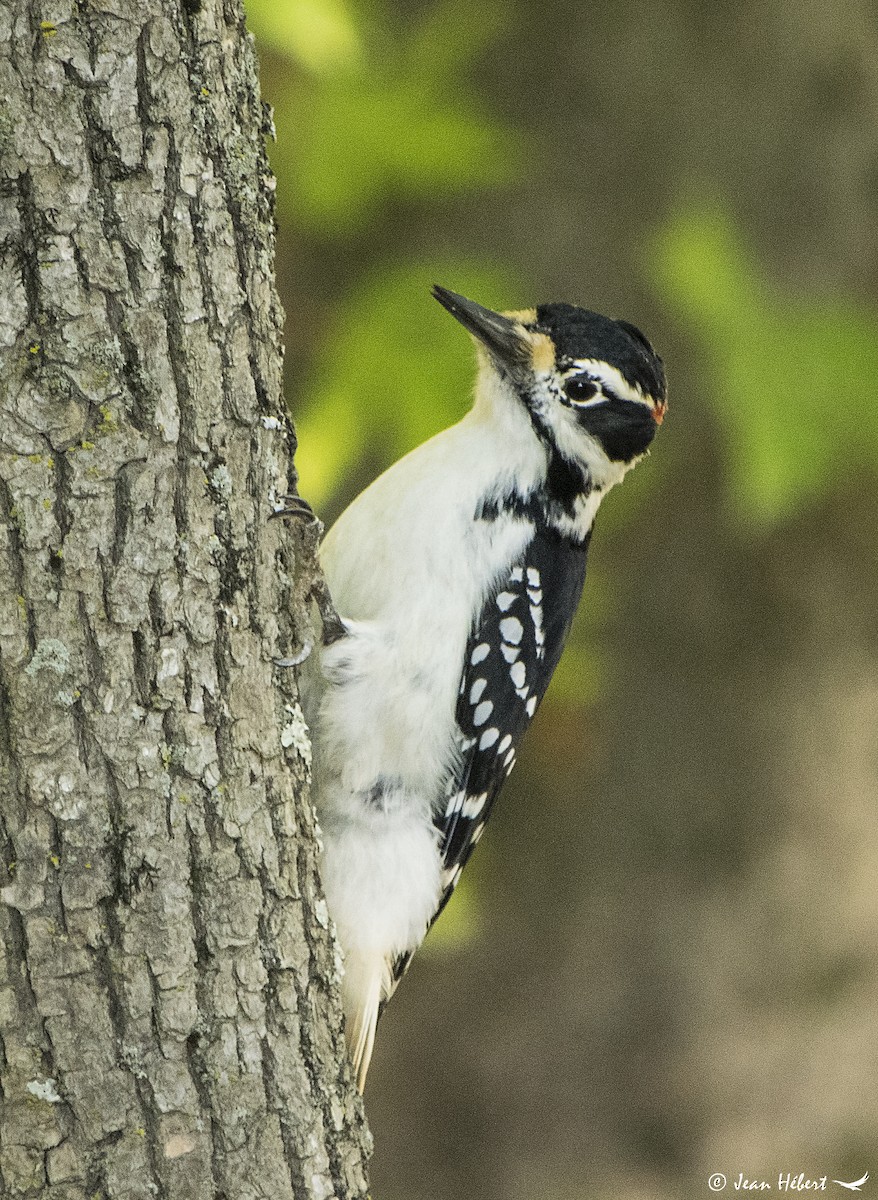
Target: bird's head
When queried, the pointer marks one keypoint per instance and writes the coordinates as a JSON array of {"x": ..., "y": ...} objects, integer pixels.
[{"x": 593, "y": 386}]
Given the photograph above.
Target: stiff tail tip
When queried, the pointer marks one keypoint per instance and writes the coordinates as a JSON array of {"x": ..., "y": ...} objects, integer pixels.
[{"x": 362, "y": 990}]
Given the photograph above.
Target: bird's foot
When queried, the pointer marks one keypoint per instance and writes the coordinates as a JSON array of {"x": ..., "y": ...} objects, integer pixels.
[
  {"x": 296, "y": 507},
  {"x": 297, "y": 659}
]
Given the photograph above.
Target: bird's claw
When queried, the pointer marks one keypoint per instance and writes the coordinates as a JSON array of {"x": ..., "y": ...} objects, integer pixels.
[
  {"x": 296, "y": 507},
  {"x": 297, "y": 659}
]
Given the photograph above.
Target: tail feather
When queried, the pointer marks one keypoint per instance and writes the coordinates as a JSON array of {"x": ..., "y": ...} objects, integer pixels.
[{"x": 366, "y": 982}]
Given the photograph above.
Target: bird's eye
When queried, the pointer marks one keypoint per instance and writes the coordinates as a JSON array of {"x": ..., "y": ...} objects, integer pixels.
[{"x": 580, "y": 388}]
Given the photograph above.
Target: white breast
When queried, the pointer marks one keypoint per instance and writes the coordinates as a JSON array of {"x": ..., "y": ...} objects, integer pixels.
[{"x": 408, "y": 568}]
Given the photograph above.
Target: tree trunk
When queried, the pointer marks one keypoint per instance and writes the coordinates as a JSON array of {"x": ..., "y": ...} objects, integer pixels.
[{"x": 169, "y": 1024}]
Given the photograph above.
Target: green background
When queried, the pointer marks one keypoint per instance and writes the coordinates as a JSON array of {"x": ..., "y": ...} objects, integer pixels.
[{"x": 663, "y": 960}]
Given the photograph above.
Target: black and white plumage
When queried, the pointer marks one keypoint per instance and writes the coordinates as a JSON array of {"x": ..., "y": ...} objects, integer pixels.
[
  {"x": 509, "y": 660},
  {"x": 457, "y": 575}
]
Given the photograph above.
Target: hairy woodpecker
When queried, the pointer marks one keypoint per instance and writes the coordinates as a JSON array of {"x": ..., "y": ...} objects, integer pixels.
[{"x": 457, "y": 574}]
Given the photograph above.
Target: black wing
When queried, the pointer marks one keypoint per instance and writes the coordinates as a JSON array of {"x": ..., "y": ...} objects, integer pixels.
[
  {"x": 511, "y": 654},
  {"x": 510, "y": 657}
]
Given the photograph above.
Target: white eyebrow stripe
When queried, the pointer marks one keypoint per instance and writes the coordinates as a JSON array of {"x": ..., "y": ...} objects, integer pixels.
[{"x": 602, "y": 372}]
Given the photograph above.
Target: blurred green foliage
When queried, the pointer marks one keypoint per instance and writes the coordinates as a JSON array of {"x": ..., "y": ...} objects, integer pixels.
[
  {"x": 374, "y": 113},
  {"x": 320, "y": 34},
  {"x": 375, "y": 107},
  {"x": 791, "y": 378},
  {"x": 392, "y": 370},
  {"x": 383, "y": 136},
  {"x": 373, "y": 110}
]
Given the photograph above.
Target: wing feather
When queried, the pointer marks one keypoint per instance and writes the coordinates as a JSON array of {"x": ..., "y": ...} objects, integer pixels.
[{"x": 512, "y": 652}]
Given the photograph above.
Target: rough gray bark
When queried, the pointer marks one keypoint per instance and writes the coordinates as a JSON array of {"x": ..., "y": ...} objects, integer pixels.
[{"x": 168, "y": 1021}]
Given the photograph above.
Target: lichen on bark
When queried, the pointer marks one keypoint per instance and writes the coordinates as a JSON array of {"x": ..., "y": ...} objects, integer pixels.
[{"x": 168, "y": 1018}]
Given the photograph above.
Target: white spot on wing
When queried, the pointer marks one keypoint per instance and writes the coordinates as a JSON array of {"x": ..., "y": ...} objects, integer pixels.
[
  {"x": 533, "y": 577},
  {"x": 475, "y": 692},
  {"x": 454, "y": 804},
  {"x": 488, "y": 738},
  {"x": 535, "y": 595},
  {"x": 511, "y": 629},
  {"x": 451, "y": 875},
  {"x": 517, "y": 674},
  {"x": 516, "y": 575},
  {"x": 510, "y": 653},
  {"x": 481, "y": 652},
  {"x": 505, "y": 744},
  {"x": 505, "y": 601},
  {"x": 481, "y": 714},
  {"x": 474, "y": 805},
  {"x": 531, "y": 706}
]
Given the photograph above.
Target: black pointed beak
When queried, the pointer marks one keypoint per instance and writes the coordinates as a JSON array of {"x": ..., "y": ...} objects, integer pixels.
[{"x": 502, "y": 337}]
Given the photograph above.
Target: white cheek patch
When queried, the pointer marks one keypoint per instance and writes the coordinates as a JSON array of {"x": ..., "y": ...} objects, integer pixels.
[
  {"x": 574, "y": 442},
  {"x": 570, "y": 438},
  {"x": 557, "y": 413}
]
